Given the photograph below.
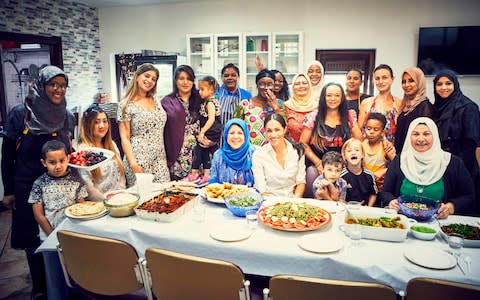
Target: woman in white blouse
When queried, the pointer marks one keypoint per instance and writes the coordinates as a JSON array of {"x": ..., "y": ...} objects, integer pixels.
[{"x": 279, "y": 166}]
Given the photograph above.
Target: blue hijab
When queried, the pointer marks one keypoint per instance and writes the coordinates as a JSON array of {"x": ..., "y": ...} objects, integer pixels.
[{"x": 241, "y": 158}]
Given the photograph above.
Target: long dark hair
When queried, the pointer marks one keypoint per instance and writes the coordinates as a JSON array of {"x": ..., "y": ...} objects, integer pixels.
[
  {"x": 283, "y": 93},
  {"x": 279, "y": 118},
  {"x": 194, "y": 100},
  {"x": 319, "y": 129}
]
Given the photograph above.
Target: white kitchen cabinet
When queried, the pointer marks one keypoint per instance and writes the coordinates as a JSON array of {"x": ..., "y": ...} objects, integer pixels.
[
  {"x": 200, "y": 54},
  {"x": 288, "y": 54}
]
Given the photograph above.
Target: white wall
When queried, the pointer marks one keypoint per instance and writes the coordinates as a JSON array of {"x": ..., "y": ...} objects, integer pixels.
[{"x": 390, "y": 26}]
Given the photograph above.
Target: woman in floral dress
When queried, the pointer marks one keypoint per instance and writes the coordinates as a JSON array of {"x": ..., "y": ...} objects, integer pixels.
[
  {"x": 253, "y": 112},
  {"x": 182, "y": 107},
  {"x": 141, "y": 124}
]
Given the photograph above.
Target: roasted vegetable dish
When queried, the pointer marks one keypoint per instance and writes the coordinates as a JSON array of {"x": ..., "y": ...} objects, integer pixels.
[
  {"x": 384, "y": 222},
  {"x": 467, "y": 231},
  {"x": 165, "y": 203}
]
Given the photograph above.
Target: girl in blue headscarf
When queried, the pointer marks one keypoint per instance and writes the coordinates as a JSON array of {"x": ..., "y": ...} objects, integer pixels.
[{"x": 233, "y": 162}]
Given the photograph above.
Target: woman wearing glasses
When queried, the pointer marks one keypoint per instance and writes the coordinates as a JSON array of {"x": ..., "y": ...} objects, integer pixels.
[
  {"x": 43, "y": 117},
  {"x": 255, "y": 110},
  {"x": 95, "y": 131}
]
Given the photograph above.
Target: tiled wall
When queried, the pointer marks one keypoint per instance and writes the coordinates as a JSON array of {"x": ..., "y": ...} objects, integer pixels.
[{"x": 77, "y": 25}]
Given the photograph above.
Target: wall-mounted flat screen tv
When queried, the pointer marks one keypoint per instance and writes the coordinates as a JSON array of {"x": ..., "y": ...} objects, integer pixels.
[{"x": 456, "y": 48}]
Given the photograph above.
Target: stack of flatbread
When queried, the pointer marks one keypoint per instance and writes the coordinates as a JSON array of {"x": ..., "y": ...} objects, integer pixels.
[
  {"x": 86, "y": 208},
  {"x": 178, "y": 186}
]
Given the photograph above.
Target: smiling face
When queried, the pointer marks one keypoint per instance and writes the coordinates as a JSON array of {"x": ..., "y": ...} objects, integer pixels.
[
  {"x": 354, "y": 153},
  {"x": 100, "y": 126},
  {"x": 275, "y": 132},
  {"x": 55, "y": 89},
  {"x": 421, "y": 138},
  {"x": 230, "y": 79},
  {"x": 147, "y": 81},
  {"x": 264, "y": 84},
  {"x": 315, "y": 74},
  {"x": 184, "y": 84},
  {"x": 333, "y": 97},
  {"x": 56, "y": 163},
  {"x": 409, "y": 85},
  {"x": 354, "y": 81},
  {"x": 235, "y": 137},
  {"x": 444, "y": 87},
  {"x": 300, "y": 86},
  {"x": 383, "y": 80},
  {"x": 332, "y": 171},
  {"x": 278, "y": 83}
]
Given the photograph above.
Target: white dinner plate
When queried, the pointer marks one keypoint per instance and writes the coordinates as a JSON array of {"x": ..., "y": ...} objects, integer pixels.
[
  {"x": 318, "y": 244},
  {"x": 430, "y": 257},
  {"x": 87, "y": 217},
  {"x": 231, "y": 233}
]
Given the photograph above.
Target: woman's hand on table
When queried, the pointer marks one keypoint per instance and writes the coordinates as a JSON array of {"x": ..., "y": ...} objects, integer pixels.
[
  {"x": 445, "y": 210},
  {"x": 394, "y": 205}
]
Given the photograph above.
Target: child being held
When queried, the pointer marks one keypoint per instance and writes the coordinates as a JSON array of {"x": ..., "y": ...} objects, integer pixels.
[
  {"x": 56, "y": 189},
  {"x": 210, "y": 132},
  {"x": 361, "y": 183},
  {"x": 377, "y": 150},
  {"x": 329, "y": 185}
]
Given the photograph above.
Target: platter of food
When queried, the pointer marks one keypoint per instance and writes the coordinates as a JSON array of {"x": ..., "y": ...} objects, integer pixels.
[
  {"x": 165, "y": 207},
  {"x": 470, "y": 233},
  {"x": 379, "y": 226},
  {"x": 431, "y": 257},
  {"x": 90, "y": 158},
  {"x": 217, "y": 192},
  {"x": 87, "y": 210},
  {"x": 292, "y": 216}
]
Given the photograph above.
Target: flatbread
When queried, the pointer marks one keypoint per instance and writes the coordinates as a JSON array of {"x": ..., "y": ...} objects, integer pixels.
[{"x": 86, "y": 208}]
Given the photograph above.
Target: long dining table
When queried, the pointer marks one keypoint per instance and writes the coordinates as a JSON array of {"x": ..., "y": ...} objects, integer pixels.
[{"x": 269, "y": 251}]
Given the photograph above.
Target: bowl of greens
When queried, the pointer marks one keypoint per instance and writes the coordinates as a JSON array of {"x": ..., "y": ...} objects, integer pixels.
[
  {"x": 240, "y": 203},
  {"x": 423, "y": 232}
]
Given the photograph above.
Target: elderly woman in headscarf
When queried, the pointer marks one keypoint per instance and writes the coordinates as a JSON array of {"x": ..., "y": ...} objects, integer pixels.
[
  {"x": 29, "y": 125},
  {"x": 253, "y": 112},
  {"x": 316, "y": 73},
  {"x": 424, "y": 169},
  {"x": 415, "y": 104},
  {"x": 299, "y": 105},
  {"x": 233, "y": 162}
]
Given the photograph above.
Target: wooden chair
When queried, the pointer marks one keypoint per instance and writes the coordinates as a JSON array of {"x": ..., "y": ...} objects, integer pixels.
[
  {"x": 181, "y": 276},
  {"x": 283, "y": 287},
  {"x": 429, "y": 288},
  {"x": 101, "y": 265}
]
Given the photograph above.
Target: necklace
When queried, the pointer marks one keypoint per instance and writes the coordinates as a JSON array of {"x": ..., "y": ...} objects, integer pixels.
[{"x": 420, "y": 188}]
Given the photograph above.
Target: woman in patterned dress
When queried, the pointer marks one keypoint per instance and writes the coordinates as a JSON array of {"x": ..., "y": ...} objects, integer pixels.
[
  {"x": 141, "y": 124},
  {"x": 95, "y": 131},
  {"x": 183, "y": 125},
  {"x": 253, "y": 112}
]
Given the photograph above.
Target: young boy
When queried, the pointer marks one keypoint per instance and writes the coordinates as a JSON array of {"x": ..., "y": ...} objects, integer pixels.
[
  {"x": 55, "y": 190},
  {"x": 329, "y": 185},
  {"x": 377, "y": 150}
]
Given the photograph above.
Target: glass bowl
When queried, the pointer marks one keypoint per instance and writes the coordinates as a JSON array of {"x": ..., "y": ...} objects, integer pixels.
[
  {"x": 418, "y": 208},
  {"x": 121, "y": 203},
  {"x": 240, "y": 203}
]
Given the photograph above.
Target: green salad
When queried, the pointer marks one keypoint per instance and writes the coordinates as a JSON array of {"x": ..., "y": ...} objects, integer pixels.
[
  {"x": 423, "y": 229},
  {"x": 243, "y": 201}
]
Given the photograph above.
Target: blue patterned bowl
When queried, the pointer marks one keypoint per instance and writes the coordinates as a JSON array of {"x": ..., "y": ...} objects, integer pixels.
[{"x": 419, "y": 208}]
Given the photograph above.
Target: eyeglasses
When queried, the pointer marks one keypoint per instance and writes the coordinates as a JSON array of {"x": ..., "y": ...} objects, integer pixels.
[
  {"x": 57, "y": 86},
  {"x": 265, "y": 86}
]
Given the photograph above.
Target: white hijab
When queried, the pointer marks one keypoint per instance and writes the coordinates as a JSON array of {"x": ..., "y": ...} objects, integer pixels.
[
  {"x": 426, "y": 167},
  {"x": 317, "y": 89}
]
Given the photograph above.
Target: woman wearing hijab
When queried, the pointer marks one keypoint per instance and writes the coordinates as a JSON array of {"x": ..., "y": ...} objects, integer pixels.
[
  {"x": 316, "y": 73},
  {"x": 424, "y": 169},
  {"x": 29, "y": 125},
  {"x": 255, "y": 110},
  {"x": 233, "y": 162},
  {"x": 299, "y": 105},
  {"x": 415, "y": 104}
]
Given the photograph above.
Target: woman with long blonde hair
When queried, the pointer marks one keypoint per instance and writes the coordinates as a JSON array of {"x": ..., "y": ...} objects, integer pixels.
[{"x": 95, "y": 131}]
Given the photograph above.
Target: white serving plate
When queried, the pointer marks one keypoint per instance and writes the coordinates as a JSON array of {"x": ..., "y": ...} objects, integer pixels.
[
  {"x": 107, "y": 153},
  {"x": 431, "y": 257},
  {"x": 164, "y": 217},
  {"x": 466, "y": 243},
  {"x": 320, "y": 244},
  {"x": 381, "y": 233}
]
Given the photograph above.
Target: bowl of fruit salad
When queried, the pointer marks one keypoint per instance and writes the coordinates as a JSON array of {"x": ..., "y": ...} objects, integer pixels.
[
  {"x": 419, "y": 208},
  {"x": 89, "y": 158},
  {"x": 240, "y": 203}
]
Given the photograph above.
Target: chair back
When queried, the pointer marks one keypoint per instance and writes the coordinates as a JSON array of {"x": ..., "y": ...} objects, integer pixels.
[
  {"x": 428, "y": 288},
  {"x": 99, "y": 265},
  {"x": 181, "y": 276},
  {"x": 283, "y": 287}
]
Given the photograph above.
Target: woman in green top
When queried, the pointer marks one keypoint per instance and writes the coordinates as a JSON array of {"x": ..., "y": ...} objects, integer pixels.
[{"x": 424, "y": 169}]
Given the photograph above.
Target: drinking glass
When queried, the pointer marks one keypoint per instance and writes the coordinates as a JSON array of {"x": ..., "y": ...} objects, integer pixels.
[
  {"x": 355, "y": 233},
  {"x": 199, "y": 211},
  {"x": 455, "y": 242},
  {"x": 252, "y": 220}
]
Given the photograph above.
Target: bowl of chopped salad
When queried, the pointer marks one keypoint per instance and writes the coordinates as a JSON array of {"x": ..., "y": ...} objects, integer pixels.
[
  {"x": 240, "y": 203},
  {"x": 419, "y": 208}
]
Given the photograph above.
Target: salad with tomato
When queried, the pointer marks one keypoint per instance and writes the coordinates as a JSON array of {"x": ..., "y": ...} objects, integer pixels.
[{"x": 294, "y": 216}]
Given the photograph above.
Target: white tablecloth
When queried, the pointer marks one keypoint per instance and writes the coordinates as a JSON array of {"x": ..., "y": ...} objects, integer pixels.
[{"x": 269, "y": 252}]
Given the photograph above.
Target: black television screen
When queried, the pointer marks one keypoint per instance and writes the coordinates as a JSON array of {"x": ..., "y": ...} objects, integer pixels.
[{"x": 455, "y": 48}]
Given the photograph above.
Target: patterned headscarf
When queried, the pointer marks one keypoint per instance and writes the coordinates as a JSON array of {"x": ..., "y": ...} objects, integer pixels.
[{"x": 411, "y": 101}]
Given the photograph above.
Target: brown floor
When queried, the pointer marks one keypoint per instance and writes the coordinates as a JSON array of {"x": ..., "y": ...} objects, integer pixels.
[{"x": 15, "y": 280}]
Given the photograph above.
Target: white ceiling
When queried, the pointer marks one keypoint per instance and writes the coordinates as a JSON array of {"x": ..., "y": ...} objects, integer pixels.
[{"x": 110, "y": 3}]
